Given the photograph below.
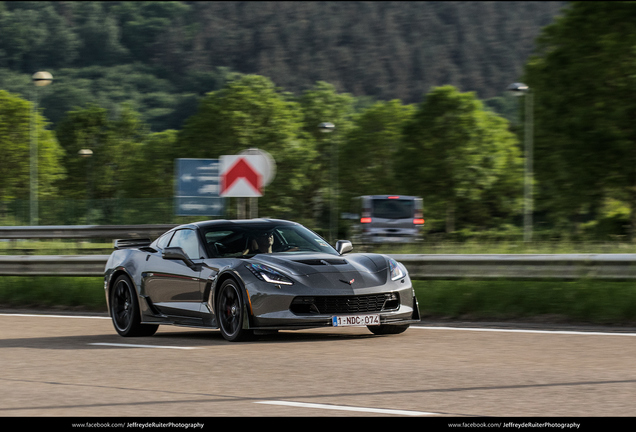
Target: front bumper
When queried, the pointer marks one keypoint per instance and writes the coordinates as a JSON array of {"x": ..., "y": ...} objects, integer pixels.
[{"x": 404, "y": 310}]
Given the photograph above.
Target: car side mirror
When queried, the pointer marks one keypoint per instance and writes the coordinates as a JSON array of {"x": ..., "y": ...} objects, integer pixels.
[
  {"x": 176, "y": 253},
  {"x": 343, "y": 246}
]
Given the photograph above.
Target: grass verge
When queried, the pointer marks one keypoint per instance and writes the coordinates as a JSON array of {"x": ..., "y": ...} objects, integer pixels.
[
  {"x": 583, "y": 301},
  {"x": 83, "y": 293}
]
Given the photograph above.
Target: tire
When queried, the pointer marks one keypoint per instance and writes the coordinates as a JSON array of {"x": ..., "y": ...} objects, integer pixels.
[
  {"x": 124, "y": 310},
  {"x": 231, "y": 313},
  {"x": 387, "y": 329}
]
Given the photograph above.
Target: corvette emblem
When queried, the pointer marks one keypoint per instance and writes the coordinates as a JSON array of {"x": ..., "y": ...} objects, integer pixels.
[{"x": 348, "y": 282}]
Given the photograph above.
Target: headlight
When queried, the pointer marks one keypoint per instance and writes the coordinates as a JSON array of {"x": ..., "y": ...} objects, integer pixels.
[
  {"x": 268, "y": 274},
  {"x": 396, "y": 270}
]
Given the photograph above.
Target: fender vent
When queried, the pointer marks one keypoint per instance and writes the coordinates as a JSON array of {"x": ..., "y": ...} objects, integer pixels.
[{"x": 131, "y": 243}]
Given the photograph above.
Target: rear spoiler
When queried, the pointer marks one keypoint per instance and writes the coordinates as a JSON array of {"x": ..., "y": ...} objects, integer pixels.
[{"x": 131, "y": 243}]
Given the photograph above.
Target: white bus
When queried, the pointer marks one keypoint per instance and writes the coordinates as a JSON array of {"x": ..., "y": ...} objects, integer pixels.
[{"x": 387, "y": 219}]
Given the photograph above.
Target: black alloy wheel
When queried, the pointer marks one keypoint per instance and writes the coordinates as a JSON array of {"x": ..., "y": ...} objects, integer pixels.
[
  {"x": 230, "y": 313},
  {"x": 124, "y": 310}
]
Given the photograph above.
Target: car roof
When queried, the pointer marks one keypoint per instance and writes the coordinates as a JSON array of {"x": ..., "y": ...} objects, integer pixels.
[{"x": 395, "y": 196}]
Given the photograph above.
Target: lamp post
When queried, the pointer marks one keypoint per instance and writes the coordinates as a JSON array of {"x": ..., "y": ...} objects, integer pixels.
[
  {"x": 520, "y": 89},
  {"x": 86, "y": 154},
  {"x": 327, "y": 127},
  {"x": 40, "y": 79}
]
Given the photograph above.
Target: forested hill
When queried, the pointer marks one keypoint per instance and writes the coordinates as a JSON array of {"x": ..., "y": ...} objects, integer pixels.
[{"x": 381, "y": 49}]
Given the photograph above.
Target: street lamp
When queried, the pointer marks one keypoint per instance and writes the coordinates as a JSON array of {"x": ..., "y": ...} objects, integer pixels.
[
  {"x": 85, "y": 153},
  {"x": 40, "y": 79},
  {"x": 327, "y": 127},
  {"x": 520, "y": 89}
]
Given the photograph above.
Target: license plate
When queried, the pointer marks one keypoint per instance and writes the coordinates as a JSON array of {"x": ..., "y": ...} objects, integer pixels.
[
  {"x": 355, "y": 320},
  {"x": 390, "y": 240}
]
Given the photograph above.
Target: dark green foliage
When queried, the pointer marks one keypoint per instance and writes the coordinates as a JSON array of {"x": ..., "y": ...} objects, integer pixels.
[
  {"x": 17, "y": 129},
  {"x": 180, "y": 70},
  {"x": 462, "y": 158},
  {"x": 583, "y": 79},
  {"x": 383, "y": 50}
]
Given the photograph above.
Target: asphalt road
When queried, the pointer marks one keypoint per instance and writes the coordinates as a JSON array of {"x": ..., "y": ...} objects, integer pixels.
[{"x": 52, "y": 365}]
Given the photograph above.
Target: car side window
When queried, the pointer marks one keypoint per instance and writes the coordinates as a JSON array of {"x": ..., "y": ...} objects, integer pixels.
[
  {"x": 162, "y": 242},
  {"x": 187, "y": 240}
]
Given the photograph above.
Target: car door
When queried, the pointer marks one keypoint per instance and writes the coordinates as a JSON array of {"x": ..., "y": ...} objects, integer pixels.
[{"x": 173, "y": 284}]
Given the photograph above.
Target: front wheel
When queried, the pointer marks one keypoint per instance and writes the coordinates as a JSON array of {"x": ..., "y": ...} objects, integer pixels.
[
  {"x": 124, "y": 310},
  {"x": 231, "y": 313},
  {"x": 386, "y": 329}
]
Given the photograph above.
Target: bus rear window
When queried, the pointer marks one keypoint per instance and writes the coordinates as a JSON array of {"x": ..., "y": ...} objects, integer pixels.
[{"x": 393, "y": 208}]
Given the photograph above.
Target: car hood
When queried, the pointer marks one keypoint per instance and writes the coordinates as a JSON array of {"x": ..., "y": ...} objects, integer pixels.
[
  {"x": 365, "y": 269},
  {"x": 304, "y": 264}
]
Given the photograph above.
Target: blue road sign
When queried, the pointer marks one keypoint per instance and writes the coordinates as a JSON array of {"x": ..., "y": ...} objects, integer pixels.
[{"x": 197, "y": 188}]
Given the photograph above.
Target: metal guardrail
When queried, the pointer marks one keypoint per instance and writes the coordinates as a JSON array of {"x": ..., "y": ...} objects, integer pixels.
[
  {"x": 512, "y": 267},
  {"x": 522, "y": 266},
  {"x": 83, "y": 231},
  {"x": 53, "y": 265}
]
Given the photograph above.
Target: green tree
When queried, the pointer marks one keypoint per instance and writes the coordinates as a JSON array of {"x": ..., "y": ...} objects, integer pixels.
[
  {"x": 249, "y": 112},
  {"x": 149, "y": 181},
  {"x": 99, "y": 33},
  {"x": 160, "y": 102},
  {"x": 33, "y": 35},
  {"x": 152, "y": 167},
  {"x": 584, "y": 82},
  {"x": 320, "y": 104},
  {"x": 461, "y": 159},
  {"x": 15, "y": 138},
  {"x": 146, "y": 29},
  {"x": 114, "y": 142},
  {"x": 372, "y": 144}
]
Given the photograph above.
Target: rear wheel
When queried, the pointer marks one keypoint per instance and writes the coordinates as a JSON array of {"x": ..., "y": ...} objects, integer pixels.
[
  {"x": 124, "y": 310},
  {"x": 386, "y": 329},
  {"x": 231, "y": 313}
]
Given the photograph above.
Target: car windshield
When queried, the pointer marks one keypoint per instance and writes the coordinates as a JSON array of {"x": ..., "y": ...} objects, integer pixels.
[
  {"x": 393, "y": 208},
  {"x": 234, "y": 240}
]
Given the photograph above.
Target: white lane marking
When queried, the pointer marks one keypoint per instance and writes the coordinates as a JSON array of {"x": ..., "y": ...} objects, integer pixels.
[
  {"x": 346, "y": 408},
  {"x": 54, "y": 316},
  {"x": 142, "y": 346},
  {"x": 568, "y": 332}
]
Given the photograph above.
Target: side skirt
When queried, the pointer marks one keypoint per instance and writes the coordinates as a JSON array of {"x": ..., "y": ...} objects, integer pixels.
[{"x": 153, "y": 315}]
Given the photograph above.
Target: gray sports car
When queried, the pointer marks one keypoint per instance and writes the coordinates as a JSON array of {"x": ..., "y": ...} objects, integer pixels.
[{"x": 247, "y": 277}]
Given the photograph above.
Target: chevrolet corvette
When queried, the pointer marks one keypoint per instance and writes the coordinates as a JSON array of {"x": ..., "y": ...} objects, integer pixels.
[{"x": 250, "y": 277}]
